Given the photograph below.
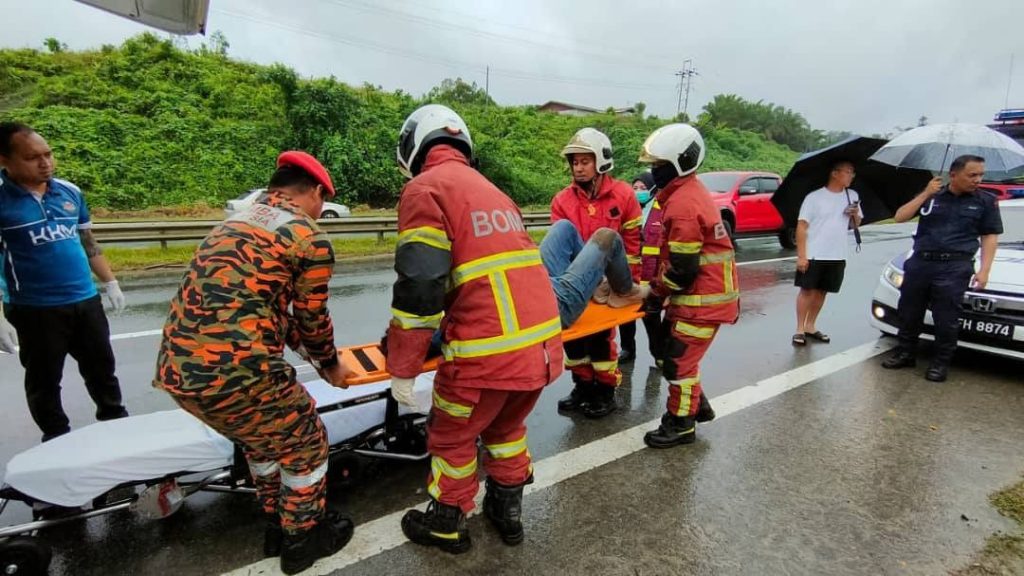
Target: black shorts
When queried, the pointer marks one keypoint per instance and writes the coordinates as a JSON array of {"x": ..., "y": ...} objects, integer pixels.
[{"x": 825, "y": 275}]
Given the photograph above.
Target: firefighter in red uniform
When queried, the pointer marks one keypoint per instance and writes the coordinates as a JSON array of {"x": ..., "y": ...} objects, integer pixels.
[
  {"x": 466, "y": 264},
  {"x": 595, "y": 200},
  {"x": 696, "y": 273}
]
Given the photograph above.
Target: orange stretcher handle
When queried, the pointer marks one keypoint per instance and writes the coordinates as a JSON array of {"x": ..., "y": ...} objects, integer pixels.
[{"x": 367, "y": 362}]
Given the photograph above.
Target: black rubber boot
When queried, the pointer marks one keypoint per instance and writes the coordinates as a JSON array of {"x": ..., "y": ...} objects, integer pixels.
[
  {"x": 705, "y": 413},
  {"x": 674, "y": 430},
  {"x": 273, "y": 536},
  {"x": 503, "y": 506},
  {"x": 441, "y": 525},
  {"x": 602, "y": 403},
  {"x": 301, "y": 550},
  {"x": 578, "y": 398}
]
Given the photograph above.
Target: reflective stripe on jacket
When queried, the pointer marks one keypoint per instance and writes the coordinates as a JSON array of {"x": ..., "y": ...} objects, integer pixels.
[
  {"x": 466, "y": 265},
  {"x": 693, "y": 232}
]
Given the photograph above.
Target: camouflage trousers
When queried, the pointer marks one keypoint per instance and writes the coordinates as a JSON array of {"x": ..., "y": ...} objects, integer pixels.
[{"x": 284, "y": 442}]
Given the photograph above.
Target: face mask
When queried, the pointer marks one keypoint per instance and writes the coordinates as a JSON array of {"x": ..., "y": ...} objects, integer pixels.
[
  {"x": 643, "y": 196},
  {"x": 663, "y": 174}
]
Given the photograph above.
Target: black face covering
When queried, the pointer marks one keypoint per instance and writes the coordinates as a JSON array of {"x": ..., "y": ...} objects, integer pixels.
[{"x": 663, "y": 174}]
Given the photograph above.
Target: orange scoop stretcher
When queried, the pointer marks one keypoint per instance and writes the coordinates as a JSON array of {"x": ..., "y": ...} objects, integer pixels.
[{"x": 366, "y": 361}]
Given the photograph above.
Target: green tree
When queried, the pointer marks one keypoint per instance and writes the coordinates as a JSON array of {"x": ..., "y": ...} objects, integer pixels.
[
  {"x": 55, "y": 46},
  {"x": 458, "y": 91},
  {"x": 775, "y": 122}
]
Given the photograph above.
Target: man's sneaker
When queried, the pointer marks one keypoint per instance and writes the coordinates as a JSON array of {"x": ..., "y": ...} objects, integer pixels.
[
  {"x": 441, "y": 525},
  {"x": 326, "y": 538},
  {"x": 634, "y": 297},
  {"x": 602, "y": 292}
]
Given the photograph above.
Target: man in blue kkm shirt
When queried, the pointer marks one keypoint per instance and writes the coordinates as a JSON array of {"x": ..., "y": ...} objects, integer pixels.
[{"x": 53, "y": 306}]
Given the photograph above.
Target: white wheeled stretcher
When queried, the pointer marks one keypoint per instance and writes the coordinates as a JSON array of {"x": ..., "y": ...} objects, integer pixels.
[{"x": 152, "y": 462}]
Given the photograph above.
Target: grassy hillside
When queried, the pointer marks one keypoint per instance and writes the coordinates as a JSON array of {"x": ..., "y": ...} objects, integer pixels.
[{"x": 147, "y": 124}]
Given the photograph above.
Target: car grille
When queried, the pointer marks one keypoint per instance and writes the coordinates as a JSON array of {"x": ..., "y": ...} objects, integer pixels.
[{"x": 994, "y": 305}]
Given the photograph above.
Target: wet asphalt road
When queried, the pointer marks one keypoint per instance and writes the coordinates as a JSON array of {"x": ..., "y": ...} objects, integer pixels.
[{"x": 860, "y": 471}]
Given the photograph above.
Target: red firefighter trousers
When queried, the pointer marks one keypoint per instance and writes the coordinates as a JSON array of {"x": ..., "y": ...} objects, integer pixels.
[
  {"x": 686, "y": 346},
  {"x": 458, "y": 417}
]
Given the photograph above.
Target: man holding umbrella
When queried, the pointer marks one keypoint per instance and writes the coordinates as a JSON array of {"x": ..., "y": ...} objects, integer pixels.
[
  {"x": 952, "y": 218},
  {"x": 817, "y": 198},
  {"x": 825, "y": 216}
]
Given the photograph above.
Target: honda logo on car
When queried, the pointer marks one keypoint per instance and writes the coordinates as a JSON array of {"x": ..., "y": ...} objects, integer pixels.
[{"x": 985, "y": 305}]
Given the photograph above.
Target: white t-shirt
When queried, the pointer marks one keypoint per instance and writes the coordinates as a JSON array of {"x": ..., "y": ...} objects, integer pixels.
[{"x": 828, "y": 227}]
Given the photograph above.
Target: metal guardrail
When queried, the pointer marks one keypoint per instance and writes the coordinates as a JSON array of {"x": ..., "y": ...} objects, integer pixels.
[{"x": 164, "y": 232}]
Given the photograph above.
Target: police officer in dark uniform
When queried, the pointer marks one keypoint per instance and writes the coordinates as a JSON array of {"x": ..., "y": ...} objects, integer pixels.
[{"x": 952, "y": 218}]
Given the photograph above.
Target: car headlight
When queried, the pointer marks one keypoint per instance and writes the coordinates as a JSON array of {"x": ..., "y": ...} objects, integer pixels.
[{"x": 893, "y": 275}]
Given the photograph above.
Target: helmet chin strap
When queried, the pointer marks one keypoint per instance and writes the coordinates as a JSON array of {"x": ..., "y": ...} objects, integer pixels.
[{"x": 663, "y": 174}]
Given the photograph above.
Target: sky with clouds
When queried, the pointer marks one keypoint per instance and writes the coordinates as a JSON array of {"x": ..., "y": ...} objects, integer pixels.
[{"x": 865, "y": 66}]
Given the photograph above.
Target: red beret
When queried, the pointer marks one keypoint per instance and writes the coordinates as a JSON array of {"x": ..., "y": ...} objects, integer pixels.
[{"x": 311, "y": 165}]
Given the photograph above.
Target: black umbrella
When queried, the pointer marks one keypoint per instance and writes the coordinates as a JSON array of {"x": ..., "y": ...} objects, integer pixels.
[{"x": 882, "y": 188}]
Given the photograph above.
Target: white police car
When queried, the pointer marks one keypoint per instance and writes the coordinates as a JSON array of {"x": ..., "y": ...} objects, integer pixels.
[
  {"x": 248, "y": 198},
  {"x": 993, "y": 318}
]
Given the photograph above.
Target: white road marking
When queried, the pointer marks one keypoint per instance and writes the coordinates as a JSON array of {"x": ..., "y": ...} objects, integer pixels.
[
  {"x": 384, "y": 533},
  {"x": 765, "y": 261}
]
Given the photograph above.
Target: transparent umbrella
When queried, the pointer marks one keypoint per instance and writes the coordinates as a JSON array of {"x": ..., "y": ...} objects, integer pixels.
[{"x": 934, "y": 148}]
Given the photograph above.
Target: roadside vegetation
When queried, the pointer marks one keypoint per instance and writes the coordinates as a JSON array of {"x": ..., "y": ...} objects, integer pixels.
[
  {"x": 147, "y": 126},
  {"x": 1003, "y": 554}
]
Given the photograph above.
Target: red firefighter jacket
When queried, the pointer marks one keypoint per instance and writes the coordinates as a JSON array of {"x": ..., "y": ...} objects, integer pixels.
[
  {"x": 465, "y": 263},
  {"x": 697, "y": 264},
  {"x": 614, "y": 206}
]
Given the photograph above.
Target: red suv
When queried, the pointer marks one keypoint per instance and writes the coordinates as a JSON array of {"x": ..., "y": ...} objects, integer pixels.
[{"x": 745, "y": 199}]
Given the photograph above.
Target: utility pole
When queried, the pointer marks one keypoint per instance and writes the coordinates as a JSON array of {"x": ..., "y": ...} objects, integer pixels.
[
  {"x": 487, "y": 82},
  {"x": 685, "y": 77}
]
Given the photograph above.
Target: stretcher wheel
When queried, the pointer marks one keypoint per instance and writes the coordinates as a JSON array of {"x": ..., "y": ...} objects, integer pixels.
[
  {"x": 24, "y": 556},
  {"x": 345, "y": 470}
]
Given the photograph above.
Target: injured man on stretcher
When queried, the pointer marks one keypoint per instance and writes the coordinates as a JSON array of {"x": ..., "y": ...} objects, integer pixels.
[{"x": 579, "y": 271}]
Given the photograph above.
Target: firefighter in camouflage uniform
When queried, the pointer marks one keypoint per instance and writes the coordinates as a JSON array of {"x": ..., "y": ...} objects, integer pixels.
[{"x": 258, "y": 282}]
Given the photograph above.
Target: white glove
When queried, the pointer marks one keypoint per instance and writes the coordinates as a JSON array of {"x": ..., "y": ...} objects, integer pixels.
[
  {"x": 117, "y": 300},
  {"x": 401, "y": 390},
  {"x": 8, "y": 335}
]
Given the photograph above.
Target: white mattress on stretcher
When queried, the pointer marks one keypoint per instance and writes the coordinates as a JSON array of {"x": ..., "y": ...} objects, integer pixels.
[{"x": 75, "y": 468}]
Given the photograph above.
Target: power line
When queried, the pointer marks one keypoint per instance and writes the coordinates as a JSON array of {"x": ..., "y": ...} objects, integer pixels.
[
  {"x": 454, "y": 64},
  {"x": 608, "y": 53}
]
